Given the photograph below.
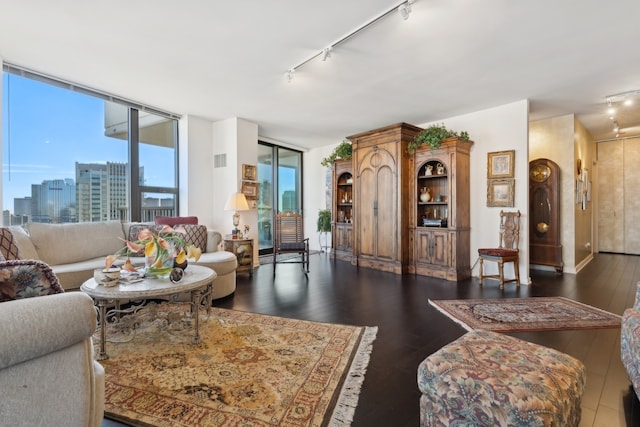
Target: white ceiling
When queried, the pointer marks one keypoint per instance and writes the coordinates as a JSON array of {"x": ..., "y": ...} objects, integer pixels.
[{"x": 227, "y": 59}]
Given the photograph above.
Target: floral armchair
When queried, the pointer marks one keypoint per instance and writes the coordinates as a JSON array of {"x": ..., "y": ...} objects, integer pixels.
[
  {"x": 47, "y": 369},
  {"x": 630, "y": 342}
]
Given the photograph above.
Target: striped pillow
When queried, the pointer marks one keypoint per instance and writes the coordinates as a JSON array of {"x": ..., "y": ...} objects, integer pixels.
[{"x": 8, "y": 246}]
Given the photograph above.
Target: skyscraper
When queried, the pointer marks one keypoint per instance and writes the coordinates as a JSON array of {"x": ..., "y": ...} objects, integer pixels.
[
  {"x": 54, "y": 201},
  {"x": 101, "y": 190}
]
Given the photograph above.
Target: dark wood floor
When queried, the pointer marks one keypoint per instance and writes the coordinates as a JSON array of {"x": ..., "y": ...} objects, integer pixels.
[{"x": 410, "y": 329}]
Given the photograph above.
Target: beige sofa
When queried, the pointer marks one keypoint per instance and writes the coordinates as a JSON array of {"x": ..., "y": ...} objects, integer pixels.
[
  {"x": 47, "y": 373},
  {"x": 75, "y": 250}
]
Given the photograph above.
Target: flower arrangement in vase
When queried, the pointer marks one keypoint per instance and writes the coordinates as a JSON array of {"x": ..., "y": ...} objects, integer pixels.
[{"x": 162, "y": 248}]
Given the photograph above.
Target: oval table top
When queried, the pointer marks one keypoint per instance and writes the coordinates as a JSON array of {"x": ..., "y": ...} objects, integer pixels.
[{"x": 195, "y": 276}]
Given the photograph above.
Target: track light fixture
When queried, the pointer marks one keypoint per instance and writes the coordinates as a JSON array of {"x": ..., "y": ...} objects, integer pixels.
[
  {"x": 404, "y": 9},
  {"x": 326, "y": 52},
  {"x": 289, "y": 74},
  {"x": 626, "y": 98},
  {"x": 622, "y": 95}
]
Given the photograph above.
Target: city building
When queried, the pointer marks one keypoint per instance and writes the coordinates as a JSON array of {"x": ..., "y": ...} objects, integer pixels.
[
  {"x": 54, "y": 201},
  {"x": 101, "y": 190}
]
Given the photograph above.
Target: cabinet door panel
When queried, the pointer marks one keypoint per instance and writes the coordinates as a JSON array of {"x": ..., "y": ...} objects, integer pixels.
[
  {"x": 344, "y": 237},
  {"x": 423, "y": 249},
  {"x": 433, "y": 247},
  {"x": 348, "y": 238},
  {"x": 440, "y": 248},
  {"x": 366, "y": 219},
  {"x": 339, "y": 239},
  {"x": 386, "y": 214}
]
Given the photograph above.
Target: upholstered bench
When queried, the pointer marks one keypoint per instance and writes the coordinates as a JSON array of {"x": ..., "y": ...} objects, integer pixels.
[
  {"x": 490, "y": 379},
  {"x": 630, "y": 342}
]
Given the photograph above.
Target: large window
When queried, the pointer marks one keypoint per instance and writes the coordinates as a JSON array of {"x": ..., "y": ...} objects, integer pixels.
[{"x": 69, "y": 153}]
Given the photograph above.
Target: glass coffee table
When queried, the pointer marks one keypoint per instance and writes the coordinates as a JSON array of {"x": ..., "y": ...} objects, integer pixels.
[{"x": 197, "y": 280}]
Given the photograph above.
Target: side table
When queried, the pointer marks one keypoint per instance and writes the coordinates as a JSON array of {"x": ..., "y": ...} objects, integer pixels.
[{"x": 243, "y": 250}]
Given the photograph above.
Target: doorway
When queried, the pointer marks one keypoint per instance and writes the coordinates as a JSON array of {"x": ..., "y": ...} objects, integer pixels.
[
  {"x": 618, "y": 213},
  {"x": 280, "y": 177}
]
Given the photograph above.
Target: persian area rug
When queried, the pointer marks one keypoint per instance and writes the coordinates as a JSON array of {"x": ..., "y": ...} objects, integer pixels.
[
  {"x": 248, "y": 370},
  {"x": 526, "y": 314}
]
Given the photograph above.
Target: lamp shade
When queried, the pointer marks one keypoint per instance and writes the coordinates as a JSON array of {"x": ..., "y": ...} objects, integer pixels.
[{"x": 236, "y": 202}]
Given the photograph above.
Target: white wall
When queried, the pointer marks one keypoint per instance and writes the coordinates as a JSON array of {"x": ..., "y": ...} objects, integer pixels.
[
  {"x": 496, "y": 129},
  {"x": 2, "y": 208},
  {"x": 553, "y": 139},
  {"x": 247, "y": 146},
  {"x": 315, "y": 194},
  {"x": 205, "y": 189},
  {"x": 238, "y": 139},
  {"x": 196, "y": 173}
]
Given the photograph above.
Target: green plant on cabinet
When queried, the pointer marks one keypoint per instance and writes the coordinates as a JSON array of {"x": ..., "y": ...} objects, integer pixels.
[
  {"x": 342, "y": 151},
  {"x": 433, "y": 137}
]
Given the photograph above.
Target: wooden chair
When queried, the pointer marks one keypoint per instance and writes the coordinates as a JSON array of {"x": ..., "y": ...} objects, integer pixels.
[
  {"x": 289, "y": 238},
  {"x": 507, "y": 250}
]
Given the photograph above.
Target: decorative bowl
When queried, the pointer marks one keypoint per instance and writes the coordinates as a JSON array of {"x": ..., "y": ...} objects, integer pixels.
[{"x": 107, "y": 276}]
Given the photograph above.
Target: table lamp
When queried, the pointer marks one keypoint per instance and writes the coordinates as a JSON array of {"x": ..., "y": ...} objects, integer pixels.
[{"x": 236, "y": 202}]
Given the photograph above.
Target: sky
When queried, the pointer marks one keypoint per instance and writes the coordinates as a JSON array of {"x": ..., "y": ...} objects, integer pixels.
[{"x": 46, "y": 129}]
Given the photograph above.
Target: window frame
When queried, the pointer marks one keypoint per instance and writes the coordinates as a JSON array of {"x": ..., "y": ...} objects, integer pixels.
[{"x": 136, "y": 190}]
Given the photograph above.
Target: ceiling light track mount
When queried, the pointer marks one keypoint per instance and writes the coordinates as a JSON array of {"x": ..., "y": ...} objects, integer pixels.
[
  {"x": 621, "y": 96},
  {"x": 403, "y": 8},
  {"x": 626, "y": 98}
]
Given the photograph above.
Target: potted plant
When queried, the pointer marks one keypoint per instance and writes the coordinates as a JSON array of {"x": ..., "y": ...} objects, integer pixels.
[
  {"x": 324, "y": 226},
  {"x": 342, "y": 151},
  {"x": 433, "y": 137},
  {"x": 324, "y": 221}
]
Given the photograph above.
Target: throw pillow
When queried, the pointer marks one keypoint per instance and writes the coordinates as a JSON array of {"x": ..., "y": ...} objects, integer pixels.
[
  {"x": 27, "y": 278},
  {"x": 8, "y": 247},
  {"x": 195, "y": 235},
  {"x": 134, "y": 230},
  {"x": 176, "y": 220}
]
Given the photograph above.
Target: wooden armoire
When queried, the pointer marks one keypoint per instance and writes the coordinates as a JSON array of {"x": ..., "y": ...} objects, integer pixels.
[
  {"x": 440, "y": 223},
  {"x": 381, "y": 203},
  {"x": 342, "y": 210}
]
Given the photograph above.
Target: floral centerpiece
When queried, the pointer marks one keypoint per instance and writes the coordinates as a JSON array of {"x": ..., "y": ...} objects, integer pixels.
[{"x": 161, "y": 249}]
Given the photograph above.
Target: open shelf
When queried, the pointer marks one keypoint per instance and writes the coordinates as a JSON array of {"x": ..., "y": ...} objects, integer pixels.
[{"x": 433, "y": 189}]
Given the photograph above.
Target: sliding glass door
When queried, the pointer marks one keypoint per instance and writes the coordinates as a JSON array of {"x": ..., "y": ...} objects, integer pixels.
[{"x": 280, "y": 176}]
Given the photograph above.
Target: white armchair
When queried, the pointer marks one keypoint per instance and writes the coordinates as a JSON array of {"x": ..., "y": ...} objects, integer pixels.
[{"x": 48, "y": 376}]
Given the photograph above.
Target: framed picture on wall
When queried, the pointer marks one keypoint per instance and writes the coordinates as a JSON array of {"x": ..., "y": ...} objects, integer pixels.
[
  {"x": 500, "y": 164},
  {"x": 579, "y": 191},
  {"x": 249, "y": 172},
  {"x": 500, "y": 192},
  {"x": 250, "y": 190}
]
